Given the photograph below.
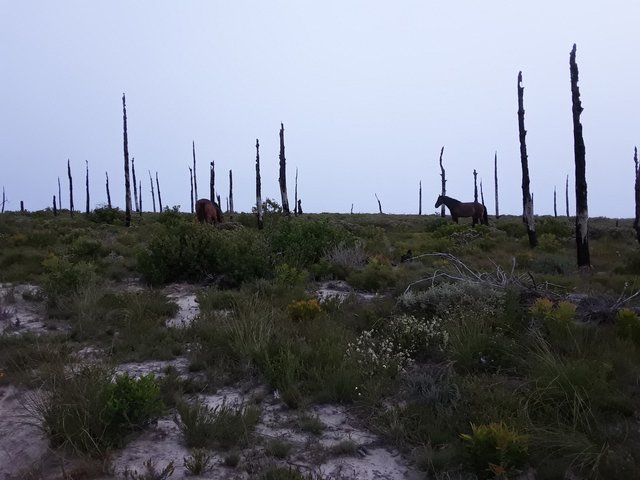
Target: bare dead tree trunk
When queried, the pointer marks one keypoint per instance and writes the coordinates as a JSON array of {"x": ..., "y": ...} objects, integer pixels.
[
  {"x": 495, "y": 178},
  {"x": 70, "y": 187},
  {"x": 135, "y": 183},
  {"x": 219, "y": 203},
  {"x": 191, "y": 178},
  {"x": 108, "y": 193},
  {"x": 566, "y": 192},
  {"x": 351, "y": 209},
  {"x": 127, "y": 183},
  {"x": 444, "y": 182},
  {"x": 299, "y": 206},
  {"x": 59, "y": 194},
  {"x": 195, "y": 177},
  {"x": 295, "y": 198},
  {"x": 230, "y": 208},
  {"x": 636, "y": 222},
  {"x": 481, "y": 193},
  {"x": 55, "y": 207},
  {"x": 87, "y": 186},
  {"x": 153, "y": 193},
  {"x": 212, "y": 181},
  {"x": 21, "y": 206},
  {"x": 582, "y": 211},
  {"x": 475, "y": 186},
  {"x": 258, "y": 188},
  {"x": 140, "y": 191},
  {"x": 555, "y": 205},
  {"x": 159, "y": 195},
  {"x": 4, "y": 197},
  {"x": 420, "y": 198},
  {"x": 283, "y": 174},
  {"x": 379, "y": 204},
  {"x": 527, "y": 199}
]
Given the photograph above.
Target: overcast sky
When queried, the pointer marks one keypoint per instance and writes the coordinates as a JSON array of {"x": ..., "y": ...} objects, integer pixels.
[{"x": 368, "y": 91}]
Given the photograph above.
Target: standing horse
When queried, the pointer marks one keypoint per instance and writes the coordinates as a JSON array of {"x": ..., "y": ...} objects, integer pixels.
[
  {"x": 208, "y": 211},
  {"x": 475, "y": 210}
]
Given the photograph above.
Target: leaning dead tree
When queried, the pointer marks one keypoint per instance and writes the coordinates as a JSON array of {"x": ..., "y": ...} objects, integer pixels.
[
  {"x": 191, "y": 178},
  {"x": 108, "y": 193},
  {"x": 282, "y": 179},
  {"x": 420, "y": 198},
  {"x": 636, "y": 222},
  {"x": 159, "y": 196},
  {"x": 444, "y": 182},
  {"x": 230, "y": 207},
  {"x": 127, "y": 183},
  {"x": 87, "y": 185},
  {"x": 4, "y": 200},
  {"x": 258, "y": 188},
  {"x": 475, "y": 186},
  {"x": 379, "y": 204},
  {"x": 70, "y": 187},
  {"x": 135, "y": 183},
  {"x": 153, "y": 193},
  {"x": 527, "y": 199},
  {"x": 495, "y": 178},
  {"x": 195, "y": 177},
  {"x": 582, "y": 212}
]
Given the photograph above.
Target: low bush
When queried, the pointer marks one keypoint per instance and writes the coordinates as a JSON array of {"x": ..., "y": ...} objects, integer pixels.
[
  {"x": 628, "y": 325},
  {"x": 63, "y": 278}
]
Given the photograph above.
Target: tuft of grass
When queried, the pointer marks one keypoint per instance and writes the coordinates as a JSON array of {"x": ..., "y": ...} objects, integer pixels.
[
  {"x": 344, "y": 448},
  {"x": 198, "y": 462},
  {"x": 310, "y": 424},
  {"x": 150, "y": 472},
  {"x": 278, "y": 448}
]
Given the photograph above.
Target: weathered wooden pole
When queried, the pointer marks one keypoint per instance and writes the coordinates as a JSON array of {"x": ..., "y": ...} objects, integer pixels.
[
  {"x": 258, "y": 188},
  {"x": 443, "y": 182},
  {"x": 230, "y": 208},
  {"x": 282, "y": 178},
  {"x": 108, "y": 193},
  {"x": 135, "y": 183},
  {"x": 420, "y": 198},
  {"x": 527, "y": 199},
  {"x": 153, "y": 194},
  {"x": 636, "y": 221},
  {"x": 582, "y": 211},
  {"x": 127, "y": 182},
  {"x": 191, "y": 178},
  {"x": 159, "y": 195},
  {"x": 70, "y": 187},
  {"x": 87, "y": 186},
  {"x": 495, "y": 179}
]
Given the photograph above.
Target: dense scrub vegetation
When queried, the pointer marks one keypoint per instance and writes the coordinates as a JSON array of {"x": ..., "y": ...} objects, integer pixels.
[{"x": 479, "y": 357}]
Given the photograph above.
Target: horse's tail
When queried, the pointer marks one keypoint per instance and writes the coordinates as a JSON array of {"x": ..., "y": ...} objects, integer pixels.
[{"x": 485, "y": 217}]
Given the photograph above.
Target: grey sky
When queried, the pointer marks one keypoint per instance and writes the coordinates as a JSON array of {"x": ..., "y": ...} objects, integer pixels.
[{"x": 369, "y": 91}]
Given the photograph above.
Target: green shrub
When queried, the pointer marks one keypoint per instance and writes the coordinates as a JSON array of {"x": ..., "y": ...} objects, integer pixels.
[
  {"x": 548, "y": 242},
  {"x": 374, "y": 277},
  {"x": 304, "y": 309},
  {"x": 107, "y": 215},
  {"x": 150, "y": 472},
  {"x": 278, "y": 448},
  {"x": 310, "y": 424},
  {"x": 628, "y": 325},
  {"x": 87, "y": 412},
  {"x": 64, "y": 278},
  {"x": 198, "y": 462},
  {"x": 557, "y": 227},
  {"x": 495, "y": 448}
]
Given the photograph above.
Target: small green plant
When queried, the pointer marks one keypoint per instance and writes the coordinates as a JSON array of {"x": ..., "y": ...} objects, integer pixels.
[
  {"x": 547, "y": 242},
  {"x": 199, "y": 462},
  {"x": 278, "y": 448},
  {"x": 628, "y": 325},
  {"x": 347, "y": 448},
  {"x": 310, "y": 424},
  {"x": 495, "y": 447},
  {"x": 231, "y": 460},
  {"x": 150, "y": 472}
]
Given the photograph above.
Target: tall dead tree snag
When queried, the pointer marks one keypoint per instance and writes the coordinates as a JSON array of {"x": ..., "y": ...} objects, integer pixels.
[
  {"x": 70, "y": 187},
  {"x": 295, "y": 197},
  {"x": 127, "y": 183},
  {"x": 108, "y": 193},
  {"x": 153, "y": 194},
  {"x": 636, "y": 221},
  {"x": 555, "y": 205},
  {"x": 379, "y": 204},
  {"x": 527, "y": 198},
  {"x": 159, "y": 196},
  {"x": 481, "y": 194},
  {"x": 282, "y": 179},
  {"x": 443, "y": 181},
  {"x": 140, "y": 190},
  {"x": 495, "y": 178},
  {"x": 55, "y": 207},
  {"x": 191, "y": 178},
  {"x": 4, "y": 200},
  {"x": 566, "y": 194},
  {"x": 87, "y": 186},
  {"x": 475, "y": 186},
  {"x": 59, "y": 195},
  {"x": 420, "y": 198},
  {"x": 258, "y": 188},
  {"x": 135, "y": 183},
  {"x": 195, "y": 177},
  {"x": 230, "y": 208},
  {"x": 212, "y": 181},
  {"x": 582, "y": 212}
]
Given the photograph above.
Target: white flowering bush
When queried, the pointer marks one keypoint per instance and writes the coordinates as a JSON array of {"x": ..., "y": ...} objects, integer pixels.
[{"x": 391, "y": 349}]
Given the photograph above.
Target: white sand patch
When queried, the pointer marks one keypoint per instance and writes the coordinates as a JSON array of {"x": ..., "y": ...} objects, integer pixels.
[
  {"x": 188, "y": 309},
  {"x": 21, "y": 309}
]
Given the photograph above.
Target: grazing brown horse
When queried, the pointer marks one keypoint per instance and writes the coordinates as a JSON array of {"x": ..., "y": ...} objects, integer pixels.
[
  {"x": 208, "y": 211},
  {"x": 475, "y": 210}
]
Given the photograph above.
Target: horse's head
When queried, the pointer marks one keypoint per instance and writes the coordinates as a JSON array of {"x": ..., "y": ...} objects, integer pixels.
[{"x": 440, "y": 201}]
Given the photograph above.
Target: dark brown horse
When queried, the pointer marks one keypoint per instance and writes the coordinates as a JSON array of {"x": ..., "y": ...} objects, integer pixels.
[
  {"x": 475, "y": 210},
  {"x": 208, "y": 211}
]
